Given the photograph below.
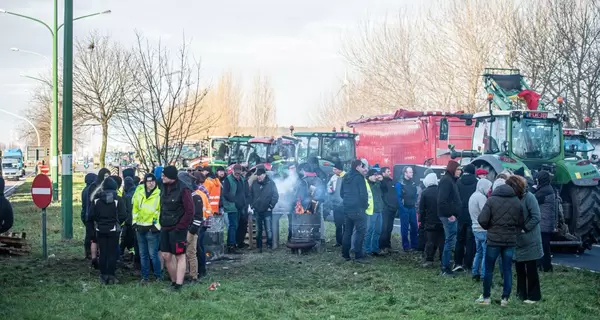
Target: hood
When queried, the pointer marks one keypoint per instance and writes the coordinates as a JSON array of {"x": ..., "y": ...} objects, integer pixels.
[
  {"x": 2, "y": 186},
  {"x": 90, "y": 178},
  {"x": 543, "y": 178},
  {"x": 107, "y": 196},
  {"x": 185, "y": 177},
  {"x": 428, "y": 171},
  {"x": 483, "y": 186},
  {"x": 101, "y": 173},
  {"x": 504, "y": 191},
  {"x": 468, "y": 179},
  {"x": 498, "y": 182},
  {"x": 158, "y": 172},
  {"x": 430, "y": 180},
  {"x": 129, "y": 172},
  {"x": 129, "y": 183}
]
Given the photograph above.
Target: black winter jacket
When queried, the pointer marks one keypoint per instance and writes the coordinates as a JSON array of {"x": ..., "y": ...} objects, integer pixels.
[
  {"x": 502, "y": 217},
  {"x": 428, "y": 210},
  {"x": 354, "y": 192},
  {"x": 466, "y": 185},
  {"x": 547, "y": 201},
  {"x": 448, "y": 200},
  {"x": 107, "y": 212},
  {"x": 263, "y": 195},
  {"x": 390, "y": 201},
  {"x": 90, "y": 178},
  {"x": 6, "y": 211}
]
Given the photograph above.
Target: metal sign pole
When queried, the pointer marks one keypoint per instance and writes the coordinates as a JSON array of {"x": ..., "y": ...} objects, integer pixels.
[{"x": 44, "y": 244}]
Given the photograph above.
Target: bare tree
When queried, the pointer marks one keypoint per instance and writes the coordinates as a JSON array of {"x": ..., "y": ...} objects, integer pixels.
[
  {"x": 224, "y": 100},
  {"x": 101, "y": 82},
  {"x": 160, "y": 113},
  {"x": 262, "y": 108}
]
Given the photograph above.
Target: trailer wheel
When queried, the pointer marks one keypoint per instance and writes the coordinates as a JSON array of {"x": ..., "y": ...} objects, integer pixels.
[{"x": 585, "y": 219}]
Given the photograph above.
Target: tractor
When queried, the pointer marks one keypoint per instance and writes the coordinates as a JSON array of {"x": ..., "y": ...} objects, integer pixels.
[
  {"x": 514, "y": 137},
  {"x": 327, "y": 147},
  {"x": 275, "y": 154}
]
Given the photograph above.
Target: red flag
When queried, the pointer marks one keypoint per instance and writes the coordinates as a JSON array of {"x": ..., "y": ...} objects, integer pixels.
[{"x": 532, "y": 98}]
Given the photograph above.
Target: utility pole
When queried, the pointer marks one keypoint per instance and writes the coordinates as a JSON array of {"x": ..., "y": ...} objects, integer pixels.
[
  {"x": 54, "y": 135},
  {"x": 67, "y": 125}
]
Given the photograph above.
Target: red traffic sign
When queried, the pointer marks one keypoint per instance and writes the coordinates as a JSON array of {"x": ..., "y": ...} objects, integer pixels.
[{"x": 41, "y": 191}]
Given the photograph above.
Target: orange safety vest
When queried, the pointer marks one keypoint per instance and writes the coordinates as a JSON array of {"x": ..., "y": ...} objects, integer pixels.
[
  {"x": 214, "y": 191},
  {"x": 206, "y": 211}
]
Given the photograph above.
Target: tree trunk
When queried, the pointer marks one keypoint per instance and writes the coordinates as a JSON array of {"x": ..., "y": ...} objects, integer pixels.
[{"x": 103, "y": 146}]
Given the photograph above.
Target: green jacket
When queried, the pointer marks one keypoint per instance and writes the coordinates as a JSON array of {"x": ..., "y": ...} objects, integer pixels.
[
  {"x": 232, "y": 201},
  {"x": 146, "y": 211}
]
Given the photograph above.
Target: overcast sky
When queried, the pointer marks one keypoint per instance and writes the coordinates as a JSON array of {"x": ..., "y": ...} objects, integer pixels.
[{"x": 295, "y": 42}]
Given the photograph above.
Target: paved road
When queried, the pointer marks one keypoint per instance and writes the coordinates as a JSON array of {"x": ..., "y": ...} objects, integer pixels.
[
  {"x": 11, "y": 186},
  {"x": 589, "y": 260}
]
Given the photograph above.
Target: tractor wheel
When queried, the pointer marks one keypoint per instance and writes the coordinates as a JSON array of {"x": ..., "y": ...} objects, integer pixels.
[{"x": 585, "y": 219}]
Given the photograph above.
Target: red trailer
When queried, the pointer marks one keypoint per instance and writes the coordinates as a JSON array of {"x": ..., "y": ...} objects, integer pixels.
[{"x": 411, "y": 137}]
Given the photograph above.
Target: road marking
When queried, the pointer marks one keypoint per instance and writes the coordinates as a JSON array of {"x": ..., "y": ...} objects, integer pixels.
[{"x": 46, "y": 191}]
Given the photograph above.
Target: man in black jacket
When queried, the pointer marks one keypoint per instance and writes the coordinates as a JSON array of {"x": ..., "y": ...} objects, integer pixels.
[
  {"x": 90, "y": 178},
  {"x": 356, "y": 201},
  {"x": 428, "y": 217},
  {"x": 546, "y": 198},
  {"x": 192, "y": 235},
  {"x": 264, "y": 197},
  {"x": 449, "y": 207},
  {"x": 390, "y": 210},
  {"x": 465, "y": 240}
]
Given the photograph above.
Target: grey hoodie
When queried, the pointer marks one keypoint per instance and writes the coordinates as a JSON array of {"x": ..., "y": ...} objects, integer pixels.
[{"x": 477, "y": 201}]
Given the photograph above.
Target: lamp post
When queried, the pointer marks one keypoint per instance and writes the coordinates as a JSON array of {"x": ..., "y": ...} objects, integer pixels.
[
  {"x": 39, "y": 143},
  {"x": 54, "y": 134}
]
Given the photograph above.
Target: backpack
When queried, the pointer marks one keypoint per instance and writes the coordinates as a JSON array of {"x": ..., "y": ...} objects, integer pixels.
[{"x": 105, "y": 228}]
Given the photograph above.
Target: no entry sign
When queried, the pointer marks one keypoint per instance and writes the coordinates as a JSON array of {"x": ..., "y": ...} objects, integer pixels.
[{"x": 41, "y": 191}]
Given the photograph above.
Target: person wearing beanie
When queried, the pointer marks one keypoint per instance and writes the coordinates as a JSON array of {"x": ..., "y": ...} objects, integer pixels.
[
  {"x": 194, "y": 228},
  {"x": 93, "y": 191},
  {"x": 334, "y": 187},
  {"x": 374, "y": 221},
  {"x": 356, "y": 202},
  {"x": 544, "y": 193},
  {"x": 145, "y": 216},
  {"x": 263, "y": 199},
  {"x": 465, "y": 241},
  {"x": 390, "y": 210},
  {"x": 234, "y": 203},
  {"x": 128, "y": 234},
  {"x": 107, "y": 215},
  {"x": 407, "y": 194},
  {"x": 449, "y": 208},
  {"x": 202, "y": 192},
  {"x": 176, "y": 215}
]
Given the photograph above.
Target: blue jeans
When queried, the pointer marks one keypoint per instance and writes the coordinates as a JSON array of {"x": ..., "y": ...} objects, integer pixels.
[
  {"x": 491, "y": 256},
  {"x": 478, "y": 260},
  {"x": 264, "y": 220},
  {"x": 408, "y": 220},
  {"x": 354, "y": 221},
  {"x": 148, "y": 245},
  {"x": 233, "y": 218},
  {"x": 449, "y": 243},
  {"x": 374, "y": 225}
]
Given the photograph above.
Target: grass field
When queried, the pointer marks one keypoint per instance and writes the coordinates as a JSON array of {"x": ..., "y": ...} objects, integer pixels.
[{"x": 274, "y": 285}]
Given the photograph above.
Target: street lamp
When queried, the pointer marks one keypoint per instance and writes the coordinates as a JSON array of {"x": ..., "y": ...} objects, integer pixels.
[
  {"x": 30, "y": 52},
  {"x": 54, "y": 135},
  {"x": 39, "y": 143}
]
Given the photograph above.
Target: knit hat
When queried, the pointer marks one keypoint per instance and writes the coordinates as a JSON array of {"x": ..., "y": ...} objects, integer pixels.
[
  {"x": 452, "y": 166},
  {"x": 260, "y": 171},
  {"x": 338, "y": 165},
  {"x": 129, "y": 172},
  {"x": 109, "y": 184},
  {"x": 470, "y": 169},
  {"x": 520, "y": 172},
  {"x": 170, "y": 172},
  {"x": 544, "y": 178},
  {"x": 219, "y": 169},
  {"x": 149, "y": 177}
]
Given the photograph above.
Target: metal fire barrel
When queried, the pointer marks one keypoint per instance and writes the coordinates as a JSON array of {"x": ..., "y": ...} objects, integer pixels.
[
  {"x": 306, "y": 228},
  {"x": 214, "y": 238}
]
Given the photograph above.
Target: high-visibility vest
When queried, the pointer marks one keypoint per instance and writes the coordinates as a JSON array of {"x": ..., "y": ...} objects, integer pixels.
[
  {"x": 146, "y": 211},
  {"x": 369, "y": 210},
  {"x": 206, "y": 211},
  {"x": 214, "y": 190}
]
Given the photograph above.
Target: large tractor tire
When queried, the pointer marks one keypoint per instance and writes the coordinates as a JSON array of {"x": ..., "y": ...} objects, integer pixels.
[{"x": 585, "y": 218}]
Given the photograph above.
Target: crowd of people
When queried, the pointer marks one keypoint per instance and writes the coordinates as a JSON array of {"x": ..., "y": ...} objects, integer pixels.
[
  {"x": 461, "y": 215},
  {"x": 464, "y": 217},
  {"x": 163, "y": 218}
]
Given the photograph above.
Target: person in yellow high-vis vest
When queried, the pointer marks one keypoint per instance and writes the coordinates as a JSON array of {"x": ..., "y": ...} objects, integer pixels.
[{"x": 145, "y": 214}]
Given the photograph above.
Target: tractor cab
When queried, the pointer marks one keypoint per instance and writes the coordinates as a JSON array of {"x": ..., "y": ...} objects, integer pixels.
[
  {"x": 576, "y": 144},
  {"x": 271, "y": 152},
  {"x": 328, "y": 147},
  {"x": 239, "y": 149}
]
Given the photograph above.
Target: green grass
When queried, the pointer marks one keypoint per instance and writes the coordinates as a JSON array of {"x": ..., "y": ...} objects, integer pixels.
[{"x": 274, "y": 285}]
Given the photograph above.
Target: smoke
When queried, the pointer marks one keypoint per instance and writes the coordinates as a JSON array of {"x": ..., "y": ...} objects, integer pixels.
[{"x": 286, "y": 186}]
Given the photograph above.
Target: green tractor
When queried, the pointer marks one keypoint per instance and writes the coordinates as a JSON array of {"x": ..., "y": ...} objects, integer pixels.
[
  {"x": 275, "y": 154},
  {"x": 327, "y": 147},
  {"x": 239, "y": 149},
  {"x": 532, "y": 138}
]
